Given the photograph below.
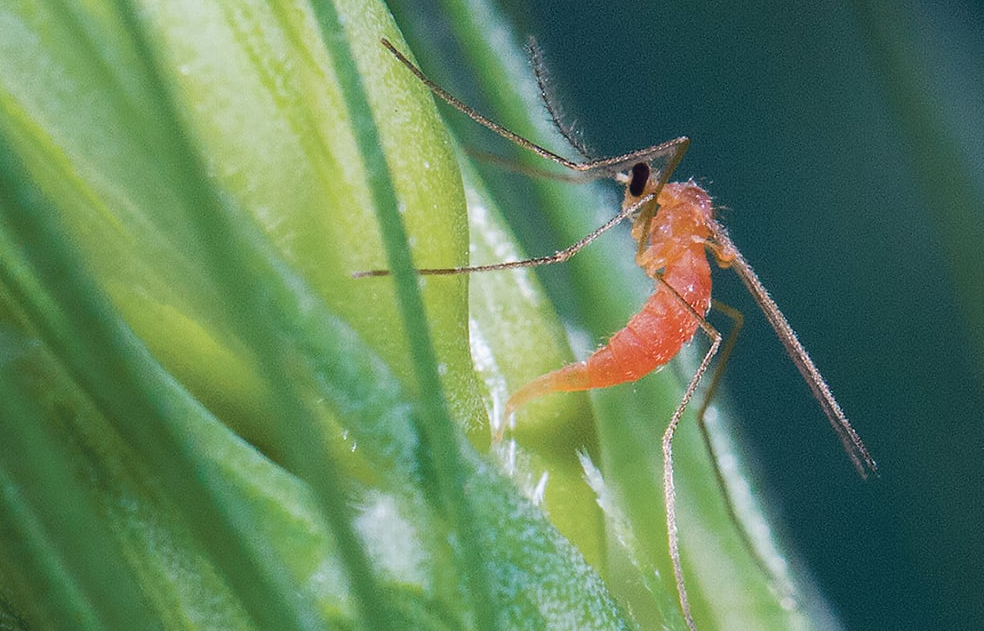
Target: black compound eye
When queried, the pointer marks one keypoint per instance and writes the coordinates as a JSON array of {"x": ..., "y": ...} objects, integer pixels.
[{"x": 640, "y": 175}]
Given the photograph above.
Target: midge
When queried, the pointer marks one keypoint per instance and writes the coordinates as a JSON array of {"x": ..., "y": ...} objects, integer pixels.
[{"x": 675, "y": 228}]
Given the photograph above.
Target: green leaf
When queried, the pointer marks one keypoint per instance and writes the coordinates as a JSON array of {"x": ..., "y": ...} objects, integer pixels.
[{"x": 250, "y": 437}]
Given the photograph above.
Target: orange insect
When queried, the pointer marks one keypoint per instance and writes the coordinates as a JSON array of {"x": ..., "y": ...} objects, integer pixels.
[
  {"x": 674, "y": 256},
  {"x": 674, "y": 225}
]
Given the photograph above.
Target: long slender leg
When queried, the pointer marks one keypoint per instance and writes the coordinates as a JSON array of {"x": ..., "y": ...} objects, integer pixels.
[
  {"x": 853, "y": 445},
  {"x": 669, "y": 489},
  {"x": 556, "y": 257},
  {"x": 525, "y": 169},
  {"x": 726, "y": 348},
  {"x": 737, "y": 322}
]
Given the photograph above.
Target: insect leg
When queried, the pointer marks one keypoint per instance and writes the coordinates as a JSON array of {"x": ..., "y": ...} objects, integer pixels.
[
  {"x": 727, "y": 347},
  {"x": 556, "y": 257},
  {"x": 669, "y": 488},
  {"x": 853, "y": 445},
  {"x": 669, "y": 492}
]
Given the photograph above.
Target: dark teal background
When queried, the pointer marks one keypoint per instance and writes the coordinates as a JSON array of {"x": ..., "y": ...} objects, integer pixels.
[{"x": 796, "y": 131}]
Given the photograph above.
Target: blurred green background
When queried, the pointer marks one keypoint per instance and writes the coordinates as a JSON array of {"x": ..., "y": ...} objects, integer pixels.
[{"x": 846, "y": 144}]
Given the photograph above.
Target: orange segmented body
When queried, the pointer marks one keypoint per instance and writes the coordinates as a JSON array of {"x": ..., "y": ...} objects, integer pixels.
[{"x": 674, "y": 253}]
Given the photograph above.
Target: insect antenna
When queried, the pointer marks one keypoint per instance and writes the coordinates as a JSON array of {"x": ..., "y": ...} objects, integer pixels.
[
  {"x": 659, "y": 160},
  {"x": 662, "y": 157},
  {"x": 546, "y": 95}
]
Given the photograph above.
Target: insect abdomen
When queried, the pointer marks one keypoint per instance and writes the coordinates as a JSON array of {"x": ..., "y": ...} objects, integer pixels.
[{"x": 654, "y": 335}]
